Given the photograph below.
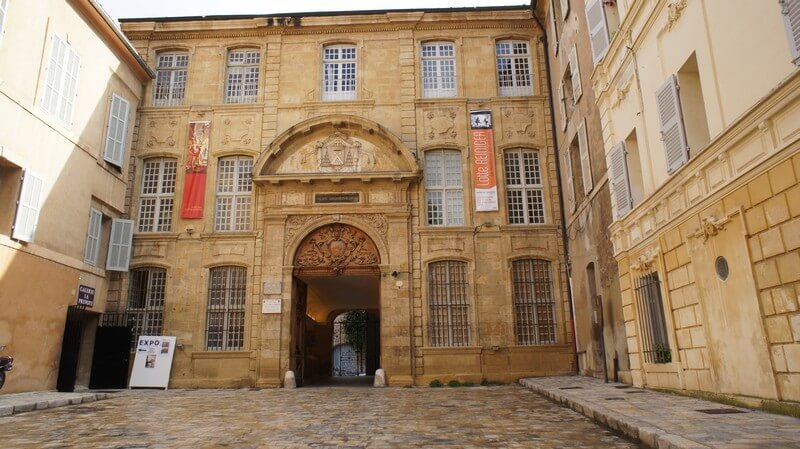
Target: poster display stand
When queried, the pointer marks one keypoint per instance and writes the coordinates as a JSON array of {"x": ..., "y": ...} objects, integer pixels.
[{"x": 152, "y": 363}]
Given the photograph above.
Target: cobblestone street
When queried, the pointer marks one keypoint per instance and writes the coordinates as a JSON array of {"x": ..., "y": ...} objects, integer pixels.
[{"x": 478, "y": 417}]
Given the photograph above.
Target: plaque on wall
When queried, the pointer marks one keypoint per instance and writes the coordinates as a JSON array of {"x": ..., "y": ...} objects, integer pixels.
[
  {"x": 332, "y": 198},
  {"x": 272, "y": 288},
  {"x": 271, "y": 306}
]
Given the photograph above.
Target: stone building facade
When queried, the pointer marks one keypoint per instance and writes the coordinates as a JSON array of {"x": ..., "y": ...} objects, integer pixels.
[{"x": 334, "y": 164}]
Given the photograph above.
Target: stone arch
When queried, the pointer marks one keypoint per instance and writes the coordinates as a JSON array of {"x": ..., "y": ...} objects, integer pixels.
[
  {"x": 299, "y": 227},
  {"x": 337, "y": 249}
]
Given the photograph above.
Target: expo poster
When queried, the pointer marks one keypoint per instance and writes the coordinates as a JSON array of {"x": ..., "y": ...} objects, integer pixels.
[
  {"x": 152, "y": 362},
  {"x": 196, "y": 167}
]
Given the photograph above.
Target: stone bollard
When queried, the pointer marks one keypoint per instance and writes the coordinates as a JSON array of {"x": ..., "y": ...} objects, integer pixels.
[
  {"x": 289, "y": 380},
  {"x": 380, "y": 379}
]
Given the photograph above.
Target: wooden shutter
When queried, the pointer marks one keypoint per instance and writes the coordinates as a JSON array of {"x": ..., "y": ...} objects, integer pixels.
[
  {"x": 791, "y": 17},
  {"x": 564, "y": 9},
  {"x": 586, "y": 164},
  {"x": 620, "y": 185},
  {"x": 570, "y": 178},
  {"x": 93, "y": 236},
  {"x": 673, "y": 133},
  {"x": 30, "y": 197},
  {"x": 562, "y": 106},
  {"x": 577, "y": 89},
  {"x": 119, "y": 245},
  {"x": 598, "y": 28},
  {"x": 117, "y": 131},
  {"x": 54, "y": 75},
  {"x": 69, "y": 91},
  {"x": 553, "y": 26}
]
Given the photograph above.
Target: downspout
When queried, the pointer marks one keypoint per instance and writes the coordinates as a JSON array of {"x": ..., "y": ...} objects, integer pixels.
[{"x": 554, "y": 134}]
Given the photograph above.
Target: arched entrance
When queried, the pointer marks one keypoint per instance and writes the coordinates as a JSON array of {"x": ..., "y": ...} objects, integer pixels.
[{"x": 336, "y": 272}]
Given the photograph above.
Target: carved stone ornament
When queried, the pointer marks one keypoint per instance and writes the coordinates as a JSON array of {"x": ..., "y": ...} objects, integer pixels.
[
  {"x": 646, "y": 261},
  {"x": 238, "y": 131},
  {"x": 341, "y": 153},
  {"x": 162, "y": 132},
  {"x": 297, "y": 222},
  {"x": 440, "y": 125},
  {"x": 711, "y": 226},
  {"x": 675, "y": 11},
  {"x": 519, "y": 123},
  {"x": 336, "y": 248}
]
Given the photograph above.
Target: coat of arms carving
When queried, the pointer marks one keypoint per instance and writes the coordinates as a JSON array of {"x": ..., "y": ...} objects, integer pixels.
[
  {"x": 341, "y": 153},
  {"x": 337, "y": 248}
]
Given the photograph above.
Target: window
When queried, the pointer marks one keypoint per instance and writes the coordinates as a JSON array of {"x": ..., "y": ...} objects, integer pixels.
[
  {"x": 791, "y": 16},
  {"x": 524, "y": 189},
  {"x": 234, "y": 187},
  {"x": 146, "y": 301},
  {"x": 156, "y": 201},
  {"x": 554, "y": 26},
  {"x": 438, "y": 70},
  {"x": 61, "y": 81},
  {"x": 119, "y": 246},
  {"x": 534, "y": 304},
  {"x": 117, "y": 130},
  {"x": 10, "y": 184},
  {"x": 243, "y": 67},
  {"x": 449, "y": 303},
  {"x": 655, "y": 344},
  {"x": 514, "y": 68},
  {"x": 3, "y": 13},
  {"x": 443, "y": 188},
  {"x": 93, "y": 235},
  {"x": 339, "y": 73},
  {"x": 225, "y": 318},
  {"x": 30, "y": 199},
  {"x": 575, "y": 75},
  {"x": 170, "y": 79},
  {"x": 624, "y": 171},
  {"x": 598, "y": 28}
]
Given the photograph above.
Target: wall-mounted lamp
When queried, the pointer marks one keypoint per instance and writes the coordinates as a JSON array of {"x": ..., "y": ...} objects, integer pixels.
[{"x": 395, "y": 274}]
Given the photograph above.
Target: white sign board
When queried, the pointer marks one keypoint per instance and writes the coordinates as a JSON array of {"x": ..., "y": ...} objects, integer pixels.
[
  {"x": 153, "y": 362},
  {"x": 271, "y": 306}
]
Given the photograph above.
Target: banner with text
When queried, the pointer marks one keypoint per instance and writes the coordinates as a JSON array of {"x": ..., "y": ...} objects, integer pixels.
[
  {"x": 484, "y": 178},
  {"x": 194, "y": 191},
  {"x": 153, "y": 361}
]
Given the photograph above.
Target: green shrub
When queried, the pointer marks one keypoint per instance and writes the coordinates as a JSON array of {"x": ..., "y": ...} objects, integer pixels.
[
  {"x": 436, "y": 383},
  {"x": 454, "y": 383}
]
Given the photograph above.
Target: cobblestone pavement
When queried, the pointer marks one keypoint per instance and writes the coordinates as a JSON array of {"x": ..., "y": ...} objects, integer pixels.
[
  {"x": 39, "y": 400},
  {"x": 665, "y": 420},
  {"x": 475, "y": 417}
]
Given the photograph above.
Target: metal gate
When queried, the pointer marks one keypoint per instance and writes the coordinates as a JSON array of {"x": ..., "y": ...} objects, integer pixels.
[
  {"x": 355, "y": 344},
  {"x": 110, "y": 363}
]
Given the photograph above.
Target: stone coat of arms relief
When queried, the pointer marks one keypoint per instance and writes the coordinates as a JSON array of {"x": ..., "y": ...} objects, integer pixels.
[
  {"x": 337, "y": 153},
  {"x": 335, "y": 248}
]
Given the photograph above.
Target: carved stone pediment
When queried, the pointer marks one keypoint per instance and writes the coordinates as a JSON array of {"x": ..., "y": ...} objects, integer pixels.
[{"x": 336, "y": 249}]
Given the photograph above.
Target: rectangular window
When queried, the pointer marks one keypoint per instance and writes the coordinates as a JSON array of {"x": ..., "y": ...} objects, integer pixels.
[
  {"x": 443, "y": 188},
  {"x": 234, "y": 192},
  {"x": 524, "y": 188},
  {"x": 227, "y": 291},
  {"x": 243, "y": 71},
  {"x": 585, "y": 162},
  {"x": 651, "y": 319},
  {"x": 30, "y": 199},
  {"x": 534, "y": 303},
  {"x": 119, "y": 246},
  {"x": 449, "y": 303},
  {"x": 598, "y": 28},
  {"x": 11, "y": 176},
  {"x": 3, "y": 13},
  {"x": 575, "y": 75},
  {"x": 339, "y": 73},
  {"x": 170, "y": 85},
  {"x": 619, "y": 179},
  {"x": 117, "y": 130},
  {"x": 157, "y": 198},
  {"x": 514, "y": 68},
  {"x": 93, "y": 236},
  {"x": 791, "y": 17},
  {"x": 555, "y": 26},
  {"x": 146, "y": 301},
  {"x": 61, "y": 81},
  {"x": 438, "y": 70}
]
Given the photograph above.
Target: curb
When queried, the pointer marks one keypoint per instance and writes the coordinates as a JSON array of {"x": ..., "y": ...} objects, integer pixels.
[
  {"x": 641, "y": 431},
  {"x": 9, "y": 410}
]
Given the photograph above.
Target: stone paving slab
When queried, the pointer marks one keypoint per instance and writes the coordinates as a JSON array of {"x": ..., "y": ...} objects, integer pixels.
[
  {"x": 14, "y": 403},
  {"x": 666, "y": 421}
]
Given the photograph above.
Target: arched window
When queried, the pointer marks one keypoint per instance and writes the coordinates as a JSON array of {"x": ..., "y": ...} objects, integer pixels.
[
  {"x": 444, "y": 193},
  {"x": 157, "y": 197},
  {"x": 234, "y": 192},
  {"x": 242, "y": 79},
  {"x": 227, "y": 290},
  {"x": 524, "y": 188},
  {"x": 534, "y": 303},
  {"x": 170, "y": 79},
  {"x": 339, "y": 72},
  {"x": 438, "y": 70},
  {"x": 146, "y": 301},
  {"x": 514, "y": 68},
  {"x": 449, "y": 303}
]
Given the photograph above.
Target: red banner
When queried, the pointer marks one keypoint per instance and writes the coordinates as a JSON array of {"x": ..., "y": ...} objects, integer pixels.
[
  {"x": 484, "y": 178},
  {"x": 194, "y": 190}
]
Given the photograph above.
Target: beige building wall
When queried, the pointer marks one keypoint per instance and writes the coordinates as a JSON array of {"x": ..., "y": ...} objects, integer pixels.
[
  {"x": 282, "y": 131},
  {"x": 733, "y": 199},
  {"x": 39, "y": 278}
]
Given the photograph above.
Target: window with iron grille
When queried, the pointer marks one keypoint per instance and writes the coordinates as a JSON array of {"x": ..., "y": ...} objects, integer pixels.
[
  {"x": 243, "y": 68},
  {"x": 534, "y": 303},
  {"x": 226, "y": 300},
  {"x": 234, "y": 189},
  {"x": 339, "y": 72},
  {"x": 444, "y": 194},
  {"x": 651, "y": 319},
  {"x": 170, "y": 83},
  {"x": 438, "y": 70},
  {"x": 449, "y": 303},
  {"x": 514, "y": 68},
  {"x": 524, "y": 189},
  {"x": 146, "y": 301},
  {"x": 157, "y": 198}
]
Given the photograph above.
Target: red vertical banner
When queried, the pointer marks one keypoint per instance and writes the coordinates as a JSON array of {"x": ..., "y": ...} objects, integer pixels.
[
  {"x": 484, "y": 178},
  {"x": 194, "y": 188}
]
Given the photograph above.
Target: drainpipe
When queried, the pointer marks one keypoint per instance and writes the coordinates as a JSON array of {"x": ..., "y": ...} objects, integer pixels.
[{"x": 554, "y": 134}]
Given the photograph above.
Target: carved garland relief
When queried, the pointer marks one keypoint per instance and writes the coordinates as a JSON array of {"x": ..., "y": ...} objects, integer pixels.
[
  {"x": 162, "y": 132},
  {"x": 296, "y": 222},
  {"x": 335, "y": 248},
  {"x": 440, "y": 125},
  {"x": 519, "y": 123},
  {"x": 240, "y": 131}
]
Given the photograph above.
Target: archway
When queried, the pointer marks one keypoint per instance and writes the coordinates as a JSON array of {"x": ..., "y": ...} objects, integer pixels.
[{"x": 336, "y": 271}]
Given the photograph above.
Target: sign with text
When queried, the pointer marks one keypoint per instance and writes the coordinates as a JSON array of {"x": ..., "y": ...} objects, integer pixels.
[
  {"x": 85, "y": 296},
  {"x": 153, "y": 362},
  {"x": 271, "y": 306},
  {"x": 484, "y": 178},
  {"x": 196, "y": 166}
]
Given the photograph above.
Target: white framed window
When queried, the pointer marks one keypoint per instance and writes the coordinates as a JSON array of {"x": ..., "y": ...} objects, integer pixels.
[
  {"x": 514, "y": 68},
  {"x": 598, "y": 28},
  {"x": 620, "y": 180},
  {"x": 524, "y": 188},
  {"x": 444, "y": 193},
  {"x": 534, "y": 302},
  {"x": 791, "y": 17},
  {"x": 119, "y": 245},
  {"x": 448, "y": 302},
  {"x": 93, "y": 236},
  {"x": 227, "y": 291},
  {"x": 117, "y": 130},
  {"x": 234, "y": 192},
  {"x": 243, "y": 74},
  {"x": 61, "y": 81},
  {"x": 157, "y": 201},
  {"x": 339, "y": 72},
  {"x": 575, "y": 75},
  {"x": 3, "y": 14},
  {"x": 438, "y": 70},
  {"x": 30, "y": 199},
  {"x": 171, "y": 73}
]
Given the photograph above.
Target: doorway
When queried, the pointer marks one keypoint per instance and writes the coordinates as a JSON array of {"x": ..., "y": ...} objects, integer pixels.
[{"x": 74, "y": 367}]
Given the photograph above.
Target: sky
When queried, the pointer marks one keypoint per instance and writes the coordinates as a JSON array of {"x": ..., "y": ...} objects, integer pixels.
[{"x": 165, "y": 8}]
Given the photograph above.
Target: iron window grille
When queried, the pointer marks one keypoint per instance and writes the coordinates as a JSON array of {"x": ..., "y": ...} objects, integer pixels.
[
  {"x": 234, "y": 191},
  {"x": 243, "y": 74},
  {"x": 171, "y": 73},
  {"x": 449, "y": 303},
  {"x": 438, "y": 70},
  {"x": 444, "y": 193},
  {"x": 514, "y": 68},
  {"x": 524, "y": 189},
  {"x": 651, "y": 319},
  {"x": 157, "y": 198},
  {"x": 339, "y": 73},
  {"x": 225, "y": 316},
  {"x": 534, "y": 303},
  {"x": 145, "y": 311}
]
